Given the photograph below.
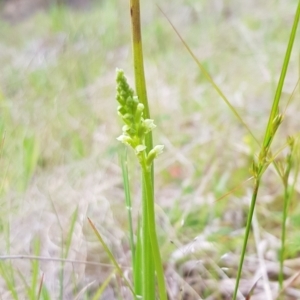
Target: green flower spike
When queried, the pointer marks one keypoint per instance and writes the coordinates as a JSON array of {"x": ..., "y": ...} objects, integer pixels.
[{"x": 136, "y": 127}]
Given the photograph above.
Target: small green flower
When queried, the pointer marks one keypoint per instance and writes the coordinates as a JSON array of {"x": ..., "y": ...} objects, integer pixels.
[
  {"x": 148, "y": 125},
  {"x": 125, "y": 139},
  {"x": 157, "y": 150}
]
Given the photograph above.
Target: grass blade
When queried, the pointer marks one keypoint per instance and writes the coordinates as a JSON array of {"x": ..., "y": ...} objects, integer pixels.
[
  {"x": 138, "y": 285},
  {"x": 274, "y": 110},
  {"x": 8, "y": 275},
  {"x": 110, "y": 255},
  {"x": 150, "y": 250},
  {"x": 70, "y": 233},
  {"x": 148, "y": 276},
  {"x": 123, "y": 160},
  {"x": 102, "y": 288},
  {"x": 209, "y": 78},
  {"x": 35, "y": 270},
  {"x": 40, "y": 287}
]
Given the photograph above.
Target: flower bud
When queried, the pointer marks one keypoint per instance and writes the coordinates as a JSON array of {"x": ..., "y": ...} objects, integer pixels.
[
  {"x": 157, "y": 150},
  {"x": 148, "y": 125},
  {"x": 125, "y": 139}
]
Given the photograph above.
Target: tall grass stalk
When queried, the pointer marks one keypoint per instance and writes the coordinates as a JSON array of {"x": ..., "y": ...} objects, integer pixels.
[
  {"x": 134, "y": 111},
  {"x": 148, "y": 269},
  {"x": 263, "y": 161}
]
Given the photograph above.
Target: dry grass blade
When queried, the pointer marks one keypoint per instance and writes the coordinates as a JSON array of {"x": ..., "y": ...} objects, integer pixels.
[
  {"x": 248, "y": 296},
  {"x": 288, "y": 283},
  {"x": 101, "y": 289},
  {"x": 110, "y": 255},
  {"x": 40, "y": 287},
  {"x": 292, "y": 95},
  {"x": 42, "y": 258},
  {"x": 234, "y": 189},
  {"x": 209, "y": 78},
  {"x": 83, "y": 290}
]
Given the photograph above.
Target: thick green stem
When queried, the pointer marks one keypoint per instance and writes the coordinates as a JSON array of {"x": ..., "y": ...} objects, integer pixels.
[
  {"x": 148, "y": 269},
  {"x": 148, "y": 273},
  {"x": 138, "y": 61},
  {"x": 152, "y": 233},
  {"x": 150, "y": 251}
]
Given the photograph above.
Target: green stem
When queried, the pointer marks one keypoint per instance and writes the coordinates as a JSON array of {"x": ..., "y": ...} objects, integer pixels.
[
  {"x": 152, "y": 233},
  {"x": 123, "y": 159},
  {"x": 283, "y": 234},
  {"x": 138, "y": 61},
  {"x": 248, "y": 227},
  {"x": 287, "y": 198},
  {"x": 148, "y": 219},
  {"x": 148, "y": 269}
]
